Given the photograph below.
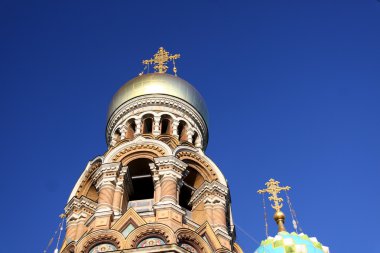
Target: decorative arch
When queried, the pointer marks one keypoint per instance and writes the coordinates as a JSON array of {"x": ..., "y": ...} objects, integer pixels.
[
  {"x": 237, "y": 248},
  {"x": 185, "y": 235},
  {"x": 101, "y": 236},
  {"x": 146, "y": 147},
  {"x": 68, "y": 248},
  {"x": 84, "y": 183},
  {"x": 182, "y": 130},
  {"x": 167, "y": 113},
  {"x": 147, "y": 123},
  {"x": 202, "y": 163},
  {"x": 192, "y": 180},
  {"x": 166, "y": 124},
  {"x": 150, "y": 230}
]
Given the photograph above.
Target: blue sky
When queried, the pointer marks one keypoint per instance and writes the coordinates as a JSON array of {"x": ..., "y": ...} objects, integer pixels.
[{"x": 292, "y": 88}]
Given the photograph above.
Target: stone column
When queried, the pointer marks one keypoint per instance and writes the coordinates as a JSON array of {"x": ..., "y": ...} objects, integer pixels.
[
  {"x": 81, "y": 228},
  {"x": 106, "y": 191},
  {"x": 106, "y": 179},
  {"x": 198, "y": 142},
  {"x": 208, "y": 212},
  {"x": 118, "y": 195},
  {"x": 123, "y": 131},
  {"x": 113, "y": 140},
  {"x": 219, "y": 214},
  {"x": 71, "y": 229},
  {"x": 156, "y": 125},
  {"x": 156, "y": 182},
  {"x": 175, "y": 128},
  {"x": 169, "y": 188},
  {"x": 190, "y": 133},
  {"x": 170, "y": 170},
  {"x": 138, "y": 126}
]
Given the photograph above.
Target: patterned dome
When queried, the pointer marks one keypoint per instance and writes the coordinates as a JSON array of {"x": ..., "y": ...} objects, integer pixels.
[{"x": 284, "y": 242}]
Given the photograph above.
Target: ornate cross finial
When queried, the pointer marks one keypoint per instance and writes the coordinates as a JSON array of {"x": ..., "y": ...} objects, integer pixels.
[
  {"x": 160, "y": 59},
  {"x": 273, "y": 189}
]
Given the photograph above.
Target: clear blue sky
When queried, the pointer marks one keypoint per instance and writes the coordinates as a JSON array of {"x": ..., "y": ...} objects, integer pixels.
[{"x": 292, "y": 88}]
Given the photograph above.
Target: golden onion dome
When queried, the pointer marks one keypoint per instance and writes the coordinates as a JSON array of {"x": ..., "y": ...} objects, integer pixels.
[{"x": 159, "y": 83}]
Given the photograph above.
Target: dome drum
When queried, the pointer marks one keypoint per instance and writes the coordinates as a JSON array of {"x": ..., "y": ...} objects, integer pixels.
[{"x": 167, "y": 113}]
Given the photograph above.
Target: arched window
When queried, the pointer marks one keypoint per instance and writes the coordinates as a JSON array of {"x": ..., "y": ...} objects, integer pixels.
[
  {"x": 165, "y": 125},
  {"x": 191, "y": 182},
  {"x": 131, "y": 129},
  {"x": 151, "y": 242},
  {"x": 182, "y": 131},
  {"x": 148, "y": 124},
  {"x": 140, "y": 180},
  {"x": 188, "y": 247},
  {"x": 195, "y": 138},
  {"x": 102, "y": 247}
]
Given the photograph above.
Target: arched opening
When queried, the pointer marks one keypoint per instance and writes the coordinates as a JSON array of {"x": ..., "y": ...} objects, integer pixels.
[
  {"x": 191, "y": 182},
  {"x": 195, "y": 138},
  {"x": 131, "y": 129},
  {"x": 165, "y": 125},
  {"x": 182, "y": 131},
  {"x": 140, "y": 181},
  {"x": 92, "y": 194},
  {"x": 148, "y": 124},
  {"x": 116, "y": 136},
  {"x": 188, "y": 246},
  {"x": 151, "y": 242},
  {"x": 102, "y": 247}
]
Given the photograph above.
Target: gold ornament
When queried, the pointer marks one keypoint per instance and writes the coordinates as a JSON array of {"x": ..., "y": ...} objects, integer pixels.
[
  {"x": 160, "y": 60},
  {"x": 273, "y": 189}
]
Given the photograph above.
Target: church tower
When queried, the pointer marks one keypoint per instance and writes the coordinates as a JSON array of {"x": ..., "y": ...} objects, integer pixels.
[{"x": 154, "y": 189}]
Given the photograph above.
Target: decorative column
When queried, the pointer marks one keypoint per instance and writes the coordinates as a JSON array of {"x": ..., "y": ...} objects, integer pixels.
[
  {"x": 118, "y": 195},
  {"x": 78, "y": 211},
  {"x": 198, "y": 142},
  {"x": 156, "y": 125},
  {"x": 123, "y": 132},
  {"x": 113, "y": 140},
  {"x": 81, "y": 228},
  {"x": 213, "y": 196},
  {"x": 219, "y": 214},
  {"x": 208, "y": 212},
  {"x": 156, "y": 182},
  {"x": 170, "y": 170},
  {"x": 190, "y": 133},
  {"x": 167, "y": 209},
  {"x": 138, "y": 126},
  {"x": 71, "y": 229},
  {"x": 175, "y": 128},
  {"x": 105, "y": 179},
  {"x": 169, "y": 187}
]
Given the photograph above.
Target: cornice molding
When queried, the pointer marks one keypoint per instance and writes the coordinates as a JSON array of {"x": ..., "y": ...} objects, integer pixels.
[
  {"x": 79, "y": 204},
  {"x": 212, "y": 191}
]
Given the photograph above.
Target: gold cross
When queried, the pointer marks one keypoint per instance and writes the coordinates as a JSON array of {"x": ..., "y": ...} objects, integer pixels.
[
  {"x": 274, "y": 189},
  {"x": 160, "y": 59}
]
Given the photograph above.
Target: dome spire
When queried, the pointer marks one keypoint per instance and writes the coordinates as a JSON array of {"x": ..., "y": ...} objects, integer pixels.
[
  {"x": 273, "y": 189},
  {"x": 160, "y": 60}
]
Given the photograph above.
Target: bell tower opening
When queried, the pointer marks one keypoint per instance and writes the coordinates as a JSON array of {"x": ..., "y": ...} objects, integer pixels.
[
  {"x": 148, "y": 124},
  {"x": 131, "y": 129},
  {"x": 191, "y": 183},
  {"x": 182, "y": 129},
  {"x": 141, "y": 181},
  {"x": 166, "y": 125}
]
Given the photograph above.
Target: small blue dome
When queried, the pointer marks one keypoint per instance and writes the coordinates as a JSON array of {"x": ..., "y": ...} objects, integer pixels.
[{"x": 284, "y": 242}]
